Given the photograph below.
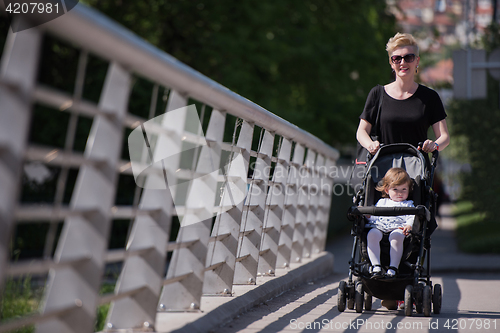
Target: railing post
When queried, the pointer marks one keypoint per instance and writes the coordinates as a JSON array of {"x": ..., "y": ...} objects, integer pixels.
[
  {"x": 306, "y": 203},
  {"x": 225, "y": 234},
  {"x": 286, "y": 241},
  {"x": 301, "y": 211},
  {"x": 185, "y": 295},
  {"x": 17, "y": 78},
  {"x": 325, "y": 201},
  {"x": 85, "y": 232},
  {"x": 274, "y": 211},
  {"x": 253, "y": 216},
  {"x": 313, "y": 220},
  {"x": 150, "y": 231}
]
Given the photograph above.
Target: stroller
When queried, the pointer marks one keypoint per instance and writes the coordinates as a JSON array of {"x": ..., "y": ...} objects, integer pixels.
[{"x": 412, "y": 283}]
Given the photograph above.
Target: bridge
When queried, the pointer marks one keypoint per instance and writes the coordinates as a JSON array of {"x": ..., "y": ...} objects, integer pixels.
[
  {"x": 229, "y": 205},
  {"x": 225, "y": 193}
]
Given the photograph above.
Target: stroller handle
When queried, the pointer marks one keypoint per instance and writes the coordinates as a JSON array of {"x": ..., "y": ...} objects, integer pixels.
[
  {"x": 435, "y": 156},
  {"x": 420, "y": 211}
]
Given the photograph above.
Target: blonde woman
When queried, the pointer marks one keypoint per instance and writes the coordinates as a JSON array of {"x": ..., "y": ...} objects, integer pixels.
[{"x": 408, "y": 108}]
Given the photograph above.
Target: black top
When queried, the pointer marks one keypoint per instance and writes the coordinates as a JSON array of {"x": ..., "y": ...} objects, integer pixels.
[{"x": 404, "y": 121}]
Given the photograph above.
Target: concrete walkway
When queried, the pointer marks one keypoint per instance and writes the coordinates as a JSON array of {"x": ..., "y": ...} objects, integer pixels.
[
  {"x": 445, "y": 258},
  {"x": 218, "y": 310}
]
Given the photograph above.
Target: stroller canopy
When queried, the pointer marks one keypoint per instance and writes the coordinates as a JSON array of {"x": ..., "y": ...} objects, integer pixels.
[{"x": 400, "y": 155}]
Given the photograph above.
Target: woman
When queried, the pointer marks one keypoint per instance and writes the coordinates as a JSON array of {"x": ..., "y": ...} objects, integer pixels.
[{"x": 408, "y": 108}]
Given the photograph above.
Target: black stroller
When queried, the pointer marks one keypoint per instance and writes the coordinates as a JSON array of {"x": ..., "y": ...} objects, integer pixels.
[{"x": 412, "y": 283}]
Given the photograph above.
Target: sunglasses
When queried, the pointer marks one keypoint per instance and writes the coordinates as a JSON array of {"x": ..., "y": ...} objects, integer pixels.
[{"x": 396, "y": 59}]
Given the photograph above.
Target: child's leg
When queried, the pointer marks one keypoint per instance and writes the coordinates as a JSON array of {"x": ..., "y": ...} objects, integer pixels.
[
  {"x": 373, "y": 238},
  {"x": 396, "y": 238}
]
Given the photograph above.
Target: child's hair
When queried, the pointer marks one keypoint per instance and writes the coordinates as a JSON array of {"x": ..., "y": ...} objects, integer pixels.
[{"x": 394, "y": 177}]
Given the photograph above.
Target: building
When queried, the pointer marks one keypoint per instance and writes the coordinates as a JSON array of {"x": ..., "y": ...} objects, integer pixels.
[{"x": 441, "y": 25}]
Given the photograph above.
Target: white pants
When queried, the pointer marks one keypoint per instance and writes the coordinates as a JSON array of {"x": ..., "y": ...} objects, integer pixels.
[{"x": 396, "y": 239}]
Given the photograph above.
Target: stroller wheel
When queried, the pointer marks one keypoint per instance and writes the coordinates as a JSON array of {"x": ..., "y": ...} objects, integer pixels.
[
  {"x": 427, "y": 299},
  {"x": 408, "y": 300},
  {"x": 351, "y": 297},
  {"x": 359, "y": 296},
  {"x": 341, "y": 296},
  {"x": 418, "y": 298},
  {"x": 368, "y": 302},
  {"x": 437, "y": 299}
]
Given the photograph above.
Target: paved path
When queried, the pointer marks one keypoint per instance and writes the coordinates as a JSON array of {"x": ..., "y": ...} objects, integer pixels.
[
  {"x": 471, "y": 297},
  {"x": 470, "y": 304}
]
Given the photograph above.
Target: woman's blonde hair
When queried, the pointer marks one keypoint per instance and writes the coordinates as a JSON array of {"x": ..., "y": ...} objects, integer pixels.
[
  {"x": 394, "y": 177},
  {"x": 401, "y": 40}
]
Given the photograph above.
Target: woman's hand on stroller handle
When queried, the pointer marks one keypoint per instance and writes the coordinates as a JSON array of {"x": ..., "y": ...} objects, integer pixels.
[
  {"x": 428, "y": 146},
  {"x": 373, "y": 147}
]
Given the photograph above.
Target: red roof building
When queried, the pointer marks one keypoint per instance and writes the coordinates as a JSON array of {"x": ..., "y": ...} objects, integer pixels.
[{"x": 440, "y": 23}]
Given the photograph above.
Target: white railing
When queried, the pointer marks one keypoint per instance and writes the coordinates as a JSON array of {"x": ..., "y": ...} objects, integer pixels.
[{"x": 283, "y": 218}]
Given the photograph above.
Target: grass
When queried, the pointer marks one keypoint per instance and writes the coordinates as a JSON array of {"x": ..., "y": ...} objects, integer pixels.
[
  {"x": 19, "y": 299},
  {"x": 102, "y": 310},
  {"x": 476, "y": 232}
]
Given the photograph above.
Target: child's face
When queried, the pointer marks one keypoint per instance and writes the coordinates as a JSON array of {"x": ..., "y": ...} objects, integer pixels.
[{"x": 399, "y": 192}]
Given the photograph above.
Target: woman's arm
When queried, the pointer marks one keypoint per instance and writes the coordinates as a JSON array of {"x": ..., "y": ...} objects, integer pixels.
[
  {"x": 363, "y": 137},
  {"x": 442, "y": 137}
]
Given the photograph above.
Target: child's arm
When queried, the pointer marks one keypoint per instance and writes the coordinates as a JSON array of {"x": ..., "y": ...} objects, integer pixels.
[
  {"x": 409, "y": 220},
  {"x": 406, "y": 229}
]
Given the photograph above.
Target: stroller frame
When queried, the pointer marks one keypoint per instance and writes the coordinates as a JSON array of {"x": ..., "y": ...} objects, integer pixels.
[{"x": 414, "y": 287}]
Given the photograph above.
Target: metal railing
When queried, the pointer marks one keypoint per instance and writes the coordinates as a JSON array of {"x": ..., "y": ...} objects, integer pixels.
[{"x": 282, "y": 219}]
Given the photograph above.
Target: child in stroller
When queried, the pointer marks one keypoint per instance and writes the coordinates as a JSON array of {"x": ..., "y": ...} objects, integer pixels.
[
  {"x": 412, "y": 283},
  {"x": 395, "y": 187}
]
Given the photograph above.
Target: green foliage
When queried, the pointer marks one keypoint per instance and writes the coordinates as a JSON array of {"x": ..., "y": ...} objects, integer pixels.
[
  {"x": 29, "y": 240},
  {"x": 475, "y": 122},
  {"x": 101, "y": 314},
  {"x": 462, "y": 208},
  {"x": 491, "y": 39},
  {"x": 19, "y": 299},
  {"x": 310, "y": 62},
  {"x": 475, "y": 138},
  {"x": 59, "y": 65},
  {"x": 102, "y": 310},
  {"x": 476, "y": 232}
]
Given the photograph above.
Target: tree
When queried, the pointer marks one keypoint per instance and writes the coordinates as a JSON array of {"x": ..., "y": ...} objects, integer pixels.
[{"x": 310, "y": 62}]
